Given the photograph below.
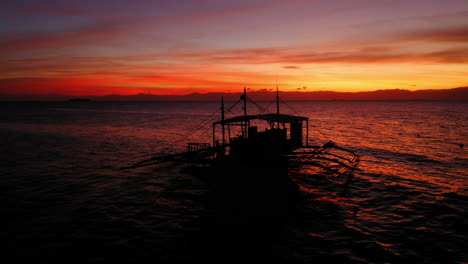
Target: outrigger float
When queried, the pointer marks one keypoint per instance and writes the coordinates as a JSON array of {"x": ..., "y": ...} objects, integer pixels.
[{"x": 265, "y": 141}]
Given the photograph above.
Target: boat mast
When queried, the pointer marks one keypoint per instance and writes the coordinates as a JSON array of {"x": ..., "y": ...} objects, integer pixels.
[
  {"x": 277, "y": 102},
  {"x": 277, "y": 98},
  {"x": 244, "y": 97},
  {"x": 244, "y": 127},
  {"x": 222, "y": 119}
]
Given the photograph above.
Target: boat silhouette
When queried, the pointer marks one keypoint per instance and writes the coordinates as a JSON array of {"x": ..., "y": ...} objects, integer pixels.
[
  {"x": 251, "y": 194},
  {"x": 263, "y": 141},
  {"x": 79, "y": 100}
]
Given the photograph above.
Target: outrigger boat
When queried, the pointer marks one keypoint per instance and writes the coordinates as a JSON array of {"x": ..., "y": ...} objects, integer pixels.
[
  {"x": 250, "y": 169},
  {"x": 267, "y": 141}
]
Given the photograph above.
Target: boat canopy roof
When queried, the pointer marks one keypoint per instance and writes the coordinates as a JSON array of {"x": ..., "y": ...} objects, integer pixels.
[{"x": 281, "y": 118}]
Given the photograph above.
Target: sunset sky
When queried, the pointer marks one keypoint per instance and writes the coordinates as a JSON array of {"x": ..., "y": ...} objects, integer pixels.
[{"x": 99, "y": 47}]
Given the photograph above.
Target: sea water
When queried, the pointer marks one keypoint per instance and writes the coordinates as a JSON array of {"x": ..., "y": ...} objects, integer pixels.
[{"x": 65, "y": 199}]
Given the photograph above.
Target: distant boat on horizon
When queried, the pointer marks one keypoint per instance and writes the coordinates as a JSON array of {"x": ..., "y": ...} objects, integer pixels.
[{"x": 79, "y": 100}]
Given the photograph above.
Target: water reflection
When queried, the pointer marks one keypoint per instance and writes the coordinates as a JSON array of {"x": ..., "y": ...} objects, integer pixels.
[{"x": 64, "y": 195}]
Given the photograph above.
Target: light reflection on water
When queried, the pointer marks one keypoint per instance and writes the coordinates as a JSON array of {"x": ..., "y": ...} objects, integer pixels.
[{"x": 60, "y": 163}]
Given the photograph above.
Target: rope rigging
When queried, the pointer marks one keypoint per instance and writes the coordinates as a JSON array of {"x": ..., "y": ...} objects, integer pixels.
[
  {"x": 198, "y": 133},
  {"x": 316, "y": 128},
  {"x": 210, "y": 119},
  {"x": 262, "y": 110},
  {"x": 203, "y": 127}
]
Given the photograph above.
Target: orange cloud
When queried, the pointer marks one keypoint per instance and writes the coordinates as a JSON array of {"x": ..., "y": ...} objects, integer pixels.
[
  {"x": 438, "y": 35},
  {"x": 291, "y": 67},
  {"x": 286, "y": 56}
]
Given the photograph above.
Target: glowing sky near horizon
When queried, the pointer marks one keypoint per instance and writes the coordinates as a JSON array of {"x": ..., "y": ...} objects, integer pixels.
[{"x": 91, "y": 47}]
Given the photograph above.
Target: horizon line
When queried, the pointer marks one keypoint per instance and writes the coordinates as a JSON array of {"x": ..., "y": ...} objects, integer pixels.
[
  {"x": 230, "y": 92},
  {"x": 451, "y": 94}
]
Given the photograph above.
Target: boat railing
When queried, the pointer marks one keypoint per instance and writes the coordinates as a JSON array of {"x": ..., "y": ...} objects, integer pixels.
[
  {"x": 204, "y": 151},
  {"x": 198, "y": 147}
]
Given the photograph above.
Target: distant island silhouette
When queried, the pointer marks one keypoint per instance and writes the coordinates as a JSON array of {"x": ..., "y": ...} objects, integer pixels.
[{"x": 455, "y": 94}]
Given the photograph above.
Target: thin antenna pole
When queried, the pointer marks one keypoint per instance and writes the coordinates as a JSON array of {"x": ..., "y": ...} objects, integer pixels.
[
  {"x": 244, "y": 127},
  {"x": 222, "y": 119},
  {"x": 277, "y": 98},
  {"x": 245, "y": 101}
]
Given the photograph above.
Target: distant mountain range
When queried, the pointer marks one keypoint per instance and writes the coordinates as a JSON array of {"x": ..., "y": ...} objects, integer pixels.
[{"x": 455, "y": 94}]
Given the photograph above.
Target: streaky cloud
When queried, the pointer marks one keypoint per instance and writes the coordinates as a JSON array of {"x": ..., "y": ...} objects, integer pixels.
[
  {"x": 290, "y": 56},
  {"x": 291, "y": 67},
  {"x": 458, "y": 34}
]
